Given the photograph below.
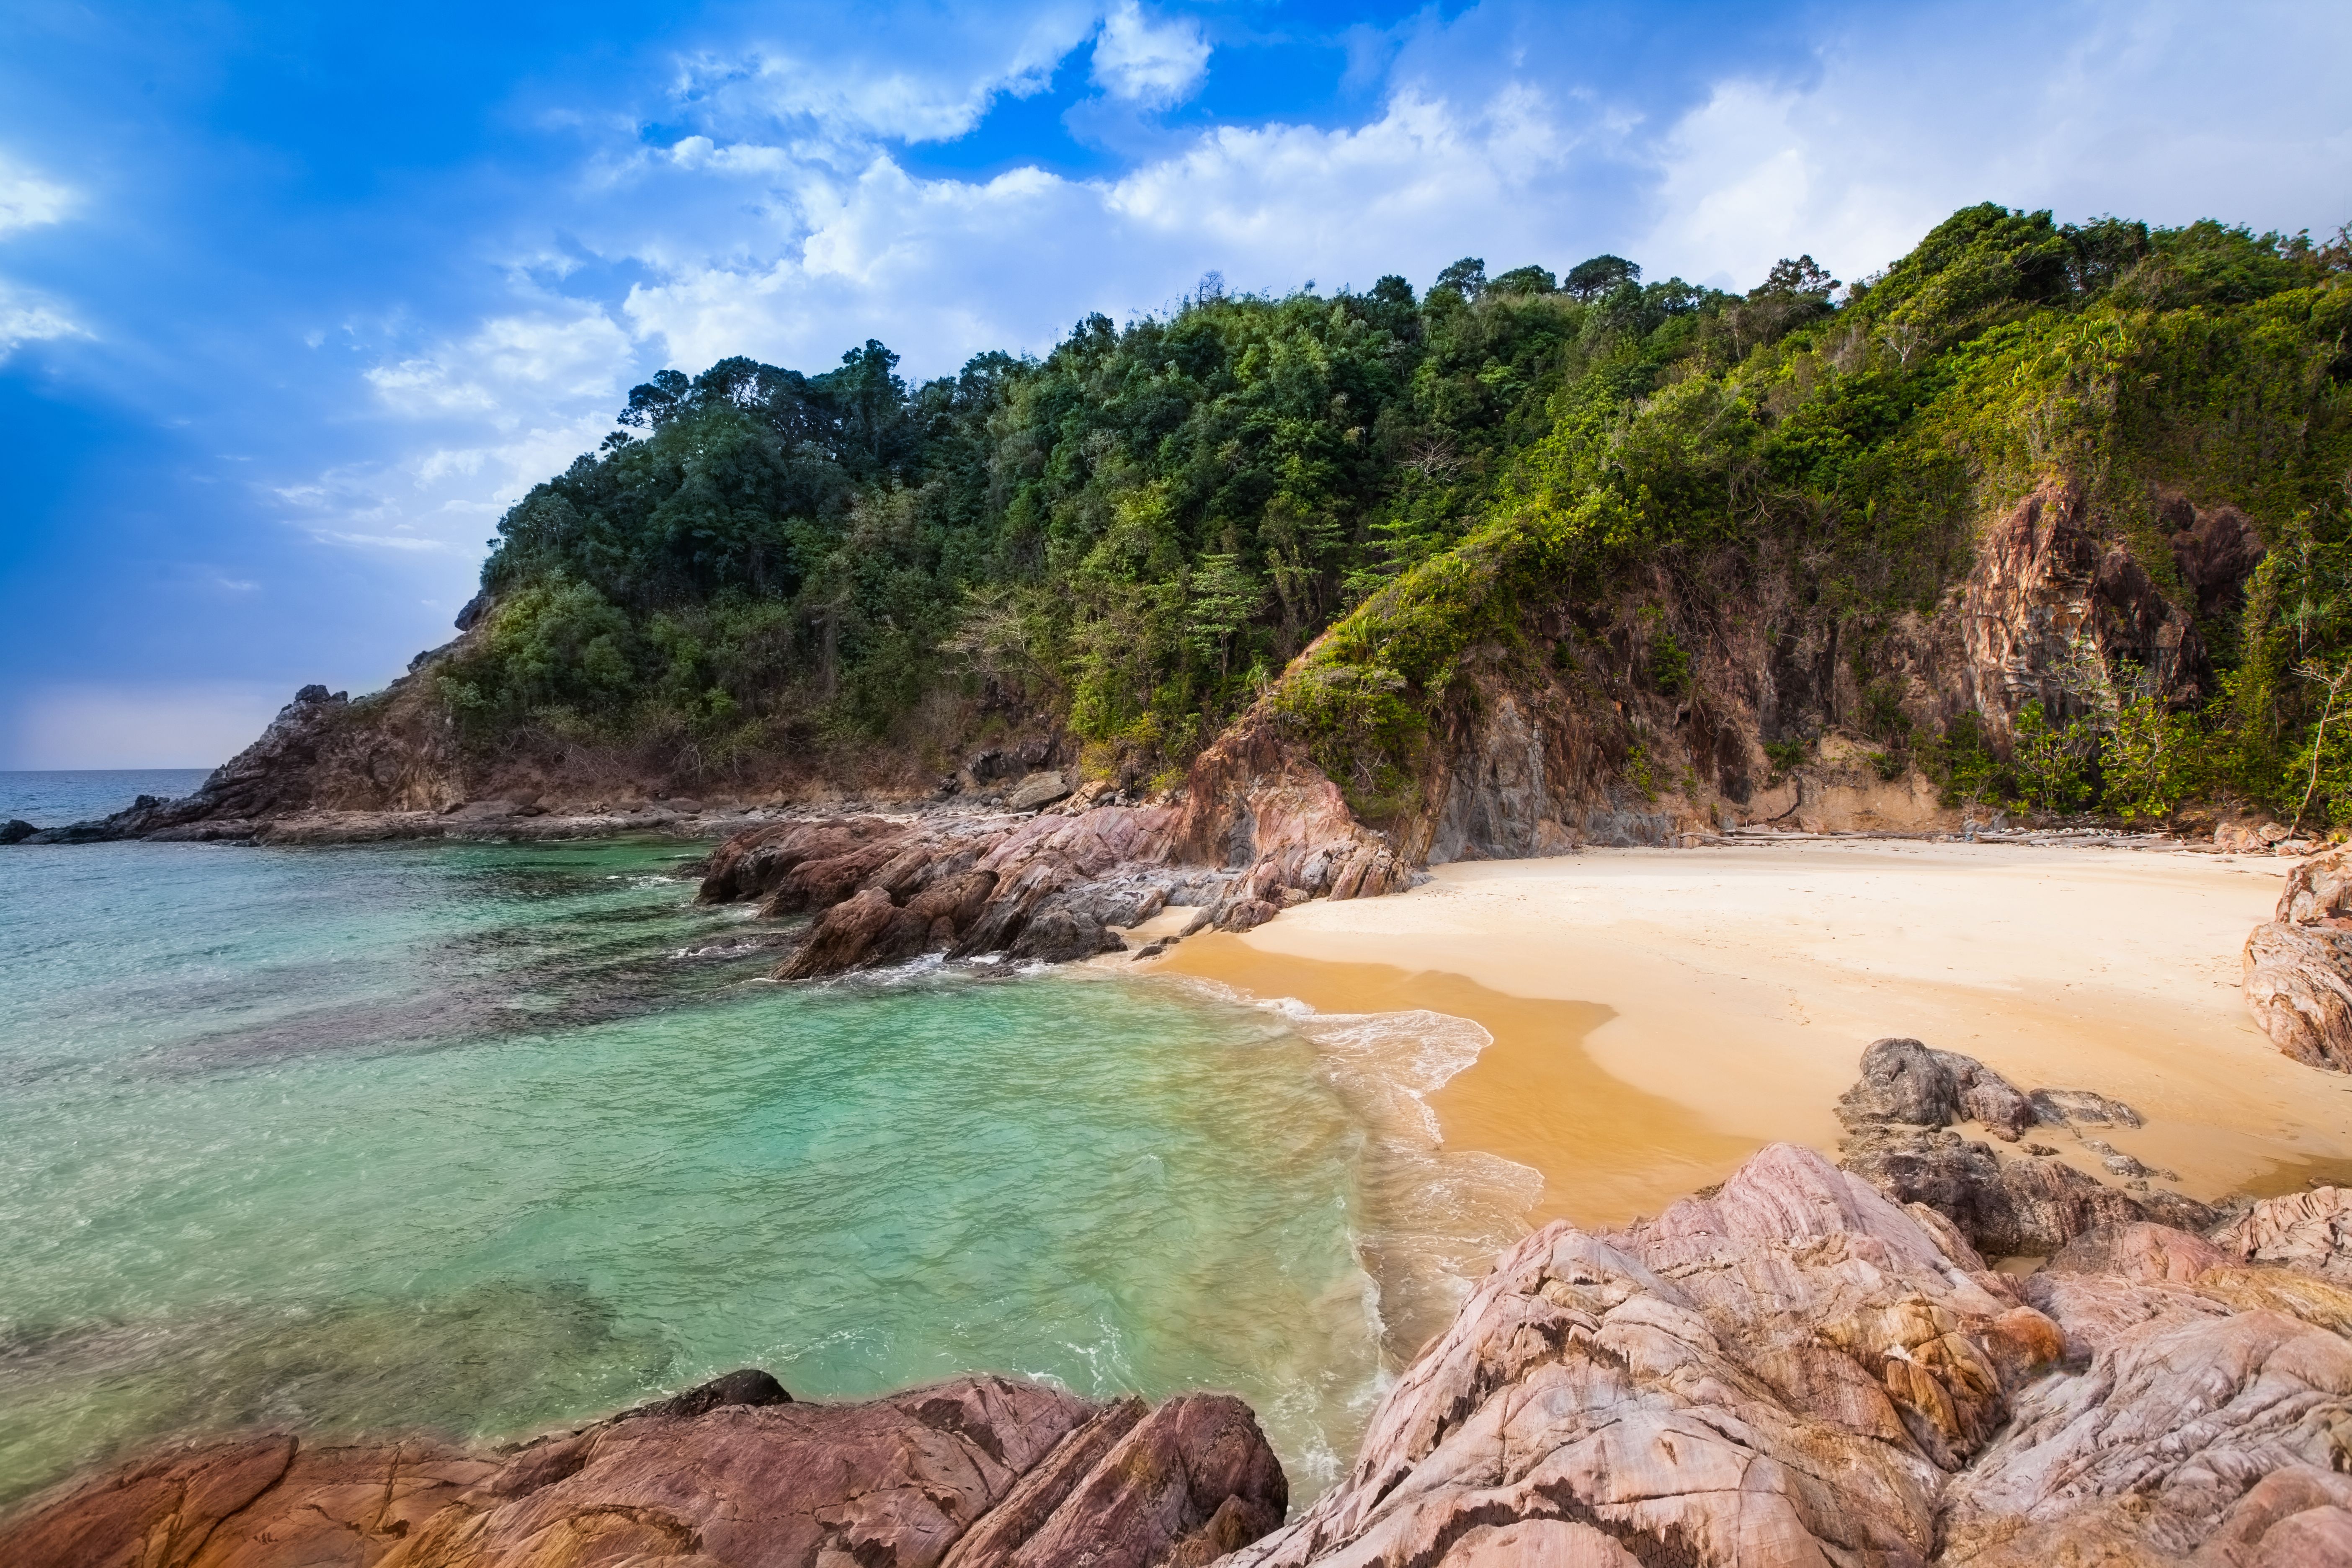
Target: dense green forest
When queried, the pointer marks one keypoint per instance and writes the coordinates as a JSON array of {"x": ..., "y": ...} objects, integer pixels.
[{"x": 1139, "y": 534}]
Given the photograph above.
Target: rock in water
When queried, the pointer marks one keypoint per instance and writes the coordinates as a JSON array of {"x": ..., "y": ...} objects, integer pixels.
[{"x": 1000, "y": 1472}]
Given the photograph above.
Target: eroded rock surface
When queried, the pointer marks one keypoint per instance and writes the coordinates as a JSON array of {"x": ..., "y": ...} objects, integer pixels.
[
  {"x": 989, "y": 1471},
  {"x": 2310, "y": 1230},
  {"x": 1898, "y": 1138},
  {"x": 1799, "y": 1371},
  {"x": 2298, "y": 966},
  {"x": 1256, "y": 832}
]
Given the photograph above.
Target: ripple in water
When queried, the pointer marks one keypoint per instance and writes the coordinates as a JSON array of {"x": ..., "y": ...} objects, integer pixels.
[{"x": 485, "y": 1139}]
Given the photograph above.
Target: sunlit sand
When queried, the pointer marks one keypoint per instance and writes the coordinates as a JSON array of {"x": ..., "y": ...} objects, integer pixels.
[{"x": 1658, "y": 1015}]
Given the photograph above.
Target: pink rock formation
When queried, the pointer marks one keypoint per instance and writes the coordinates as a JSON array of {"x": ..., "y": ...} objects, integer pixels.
[
  {"x": 2298, "y": 967},
  {"x": 1795, "y": 1370},
  {"x": 998, "y": 1472}
]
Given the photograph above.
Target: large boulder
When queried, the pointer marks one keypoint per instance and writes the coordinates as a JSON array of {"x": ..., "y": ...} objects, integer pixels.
[
  {"x": 1905, "y": 1081},
  {"x": 995, "y": 1470},
  {"x": 2298, "y": 966},
  {"x": 1897, "y": 1118},
  {"x": 2298, "y": 986}
]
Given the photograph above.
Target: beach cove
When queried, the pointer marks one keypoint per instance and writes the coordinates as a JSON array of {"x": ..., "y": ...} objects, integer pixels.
[{"x": 1658, "y": 1015}]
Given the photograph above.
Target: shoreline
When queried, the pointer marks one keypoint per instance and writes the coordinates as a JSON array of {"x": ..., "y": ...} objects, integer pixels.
[{"x": 1657, "y": 1016}]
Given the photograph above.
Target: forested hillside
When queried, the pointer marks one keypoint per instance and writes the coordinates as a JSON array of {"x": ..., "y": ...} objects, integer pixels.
[{"x": 1706, "y": 533}]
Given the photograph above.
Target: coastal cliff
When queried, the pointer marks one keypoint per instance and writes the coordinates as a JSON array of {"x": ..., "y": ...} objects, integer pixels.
[{"x": 2043, "y": 519}]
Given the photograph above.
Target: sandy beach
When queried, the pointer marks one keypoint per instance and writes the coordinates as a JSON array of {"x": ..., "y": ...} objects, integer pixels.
[{"x": 1658, "y": 1015}]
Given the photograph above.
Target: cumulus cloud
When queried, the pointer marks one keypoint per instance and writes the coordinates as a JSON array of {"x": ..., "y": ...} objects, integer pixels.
[
  {"x": 2159, "y": 112},
  {"x": 923, "y": 74},
  {"x": 946, "y": 267},
  {"x": 1156, "y": 64}
]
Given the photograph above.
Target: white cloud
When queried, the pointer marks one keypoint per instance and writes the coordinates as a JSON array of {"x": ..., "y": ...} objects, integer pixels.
[
  {"x": 1157, "y": 64},
  {"x": 29, "y": 201},
  {"x": 2163, "y": 112},
  {"x": 943, "y": 268},
  {"x": 928, "y": 74},
  {"x": 27, "y": 317},
  {"x": 546, "y": 358},
  {"x": 198, "y": 725}
]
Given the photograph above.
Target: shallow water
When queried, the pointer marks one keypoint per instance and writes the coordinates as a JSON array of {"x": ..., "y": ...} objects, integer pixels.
[{"x": 488, "y": 1138}]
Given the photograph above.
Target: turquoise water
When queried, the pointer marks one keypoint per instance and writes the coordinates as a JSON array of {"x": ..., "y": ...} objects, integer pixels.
[{"x": 484, "y": 1138}]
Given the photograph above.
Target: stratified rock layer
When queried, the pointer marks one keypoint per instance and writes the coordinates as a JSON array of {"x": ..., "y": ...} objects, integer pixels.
[
  {"x": 1256, "y": 831},
  {"x": 990, "y": 1472}
]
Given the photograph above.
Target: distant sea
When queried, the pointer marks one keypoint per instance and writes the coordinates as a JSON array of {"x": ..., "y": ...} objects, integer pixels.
[
  {"x": 486, "y": 1138},
  {"x": 54, "y": 799}
]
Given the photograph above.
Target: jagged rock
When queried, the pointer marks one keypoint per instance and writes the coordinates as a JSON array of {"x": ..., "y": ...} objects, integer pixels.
[
  {"x": 1259, "y": 829},
  {"x": 16, "y": 830},
  {"x": 2005, "y": 1207},
  {"x": 1776, "y": 1375},
  {"x": 730, "y": 1474},
  {"x": 2309, "y": 1230},
  {"x": 1896, "y": 1117},
  {"x": 2148, "y": 1451},
  {"x": 1905, "y": 1081}
]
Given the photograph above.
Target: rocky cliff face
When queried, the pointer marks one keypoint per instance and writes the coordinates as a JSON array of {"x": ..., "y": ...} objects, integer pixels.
[
  {"x": 979, "y": 1472},
  {"x": 1534, "y": 757}
]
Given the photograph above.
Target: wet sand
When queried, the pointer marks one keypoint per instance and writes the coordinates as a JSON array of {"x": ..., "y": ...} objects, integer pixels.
[{"x": 1658, "y": 1015}]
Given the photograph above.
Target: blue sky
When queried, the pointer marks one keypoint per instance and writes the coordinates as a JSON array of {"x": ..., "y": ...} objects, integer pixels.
[{"x": 294, "y": 301}]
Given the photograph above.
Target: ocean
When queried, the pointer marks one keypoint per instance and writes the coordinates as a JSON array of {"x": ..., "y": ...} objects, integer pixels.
[{"x": 483, "y": 1139}]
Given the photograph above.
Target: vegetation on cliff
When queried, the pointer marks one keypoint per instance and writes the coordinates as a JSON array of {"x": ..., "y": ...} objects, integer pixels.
[{"x": 1590, "y": 476}]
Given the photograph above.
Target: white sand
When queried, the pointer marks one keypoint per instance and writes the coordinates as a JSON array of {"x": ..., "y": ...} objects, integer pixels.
[{"x": 1744, "y": 983}]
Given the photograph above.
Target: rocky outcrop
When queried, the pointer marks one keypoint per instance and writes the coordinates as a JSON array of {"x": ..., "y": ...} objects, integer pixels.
[
  {"x": 2310, "y": 1231},
  {"x": 1257, "y": 830},
  {"x": 1897, "y": 1121},
  {"x": 2298, "y": 966},
  {"x": 394, "y": 752},
  {"x": 2052, "y": 592},
  {"x": 980, "y": 1472},
  {"x": 1796, "y": 1370}
]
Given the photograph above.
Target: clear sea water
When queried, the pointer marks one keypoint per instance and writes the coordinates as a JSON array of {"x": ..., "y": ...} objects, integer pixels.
[{"x": 486, "y": 1138}]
